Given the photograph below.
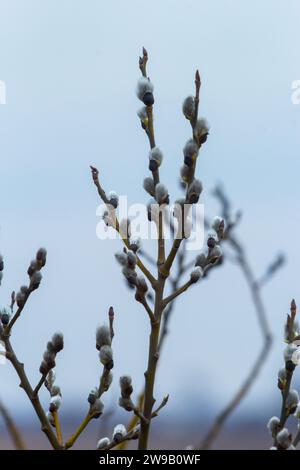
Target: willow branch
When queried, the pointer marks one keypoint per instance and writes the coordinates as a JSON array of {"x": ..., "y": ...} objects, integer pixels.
[
  {"x": 8, "y": 328},
  {"x": 178, "y": 292},
  {"x": 39, "y": 385},
  {"x": 57, "y": 427},
  {"x": 255, "y": 290},
  {"x": 103, "y": 196},
  {"x": 70, "y": 442},
  {"x": 25, "y": 384},
  {"x": 148, "y": 310},
  {"x": 12, "y": 428}
]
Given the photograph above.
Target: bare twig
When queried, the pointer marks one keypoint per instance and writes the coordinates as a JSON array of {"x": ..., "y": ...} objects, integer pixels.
[
  {"x": 124, "y": 237},
  {"x": 255, "y": 288},
  {"x": 12, "y": 428},
  {"x": 25, "y": 384}
]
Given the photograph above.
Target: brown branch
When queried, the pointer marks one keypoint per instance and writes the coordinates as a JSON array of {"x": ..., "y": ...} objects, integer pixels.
[
  {"x": 12, "y": 428},
  {"x": 148, "y": 310},
  {"x": 255, "y": 290},
  {"x": 39, "y": 385},
  {"x": 25, "y": 384},
  {"x": 152, "y": 366},
  {"x": 176, "y": 293},
  {"x": 57, "y": 427},
  {"x": 235, "y": 401},
  {"x": 8, "y": 328},
  {"x": 124, "y": 237}
]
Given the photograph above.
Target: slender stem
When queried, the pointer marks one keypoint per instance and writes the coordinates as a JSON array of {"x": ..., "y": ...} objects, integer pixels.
[
  {"x": 12, "y": 428},
  {"x": 57, "y": 427},
  {"x": 8, "y": 328},
  {"x": 78, "y": 431},
  {"x": 151, "y": 129},
  {"x": 148, "y": 310},
  {"x": 285, "y": 393},
  {"x": 103, "y": 196},
  {"x": 178, "y": 292},
  {"x": 24, "y": 383},
  {"x": 262, "y": 355},
  {"x": 152, "y": 365},
  {"x": 161, "y": 241},
  {"x": 165, "y": 269},
  {"x": 237, "y": 398},
  {"x": 39, "y": 385}
]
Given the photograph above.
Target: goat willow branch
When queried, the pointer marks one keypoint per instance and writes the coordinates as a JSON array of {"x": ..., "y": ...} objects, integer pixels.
[
  {"x": 282, "y": 437},
  {"x": 13, "y": 430},
  {"x": 255, "y": 287},
  {"x": 129, "y": 258}
]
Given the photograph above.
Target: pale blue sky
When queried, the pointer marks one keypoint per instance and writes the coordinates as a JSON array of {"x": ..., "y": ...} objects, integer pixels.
[{"x": 70, "y": 69}]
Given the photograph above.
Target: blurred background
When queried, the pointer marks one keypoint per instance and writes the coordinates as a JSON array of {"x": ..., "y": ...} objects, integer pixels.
[{"x": 70, "y": 69}]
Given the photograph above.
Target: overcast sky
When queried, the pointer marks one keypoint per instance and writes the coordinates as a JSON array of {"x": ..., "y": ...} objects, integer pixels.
[{"x": 70, "y": 69}]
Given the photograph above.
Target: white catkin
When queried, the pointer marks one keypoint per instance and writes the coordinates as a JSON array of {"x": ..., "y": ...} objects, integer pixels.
[
  {"x": 195, "y": 188},
  {"x": 215, "y": 225},
  {"x": 283, "y": 438},
  {"x": 216, "y": 252},
  {"x": 289, "y": 351},
  {"x": 142, "y": 113},
  {"x": 161, "y": 193},
  {"x": 196, "y": 274},
  {"x": 156, "y": 154},
  {"x": 188, "y": 107},
  {"x": 149, "y": 186},
  {"x": 142, "y": 284},
  {"x": 55, "y": 403},
  {"x": 143, "y": 86},
  {"x": 119, "y": 429},
  {"x": 103, "y": 443},
  {"x": 36, "y": 278},
  {"x": 113, "y": 196},
  {"x": 296, "y": 357},
  {"x": 106, "y": 354},
  {"x": 191, "y": 148},
  {"x": 121, "y": 258},
  {"x": 202, "y": 126},
  {"x": 292, "y": 399},
  {"x": 50, "y": 379},
  {"x": 282, "y": 375},
  {"x": 125, "y": 382},
  {"x": 272, "y": 424},
  {"x": 97, "y": 407},
  {"x": 103, "y": 336},
  {"x": 201, "y": 260}
]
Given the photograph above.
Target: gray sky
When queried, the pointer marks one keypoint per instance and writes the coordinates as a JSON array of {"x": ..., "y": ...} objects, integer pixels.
[{"x": 70, "y": 69}]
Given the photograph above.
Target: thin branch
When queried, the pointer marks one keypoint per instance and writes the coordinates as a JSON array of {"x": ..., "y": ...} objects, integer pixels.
[
  {"x": 255, "y": 290},
  {"x": 25, "y": 384},
  {"x": 148, "y": 310},
  {"x": 70, "y": 442},
  {"x": 57, "y": 427},
  {"x": 12, "y": 428},
  {"x": 39, "y": 385},
  {"x": 235, "y": 401},
  {"x": 134, "y": 432},
  {"x": 103, "y": 196},
  {"x": 8, "y": 328},
  {"x": 178, "y": 292}
]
